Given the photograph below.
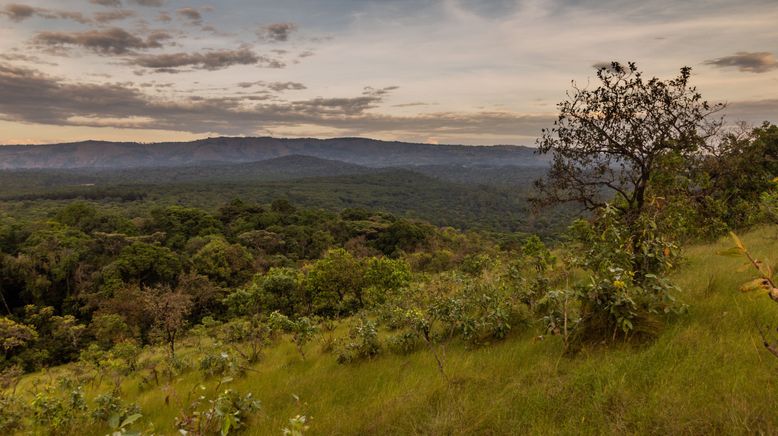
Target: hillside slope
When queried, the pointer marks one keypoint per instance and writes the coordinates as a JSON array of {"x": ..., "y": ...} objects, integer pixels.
[{"x": 705, "y": 374}]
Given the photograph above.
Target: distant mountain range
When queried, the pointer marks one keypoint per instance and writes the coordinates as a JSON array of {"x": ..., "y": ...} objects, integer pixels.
[{"x": 215, "y": 151}]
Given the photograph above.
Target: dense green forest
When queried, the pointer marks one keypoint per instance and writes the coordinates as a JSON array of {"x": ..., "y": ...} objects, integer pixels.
[
  {"x": 407, "y": 301},
  {"x": 489, "y": 199}
]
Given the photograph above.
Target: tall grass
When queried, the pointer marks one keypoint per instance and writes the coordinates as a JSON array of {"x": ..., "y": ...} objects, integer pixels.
[{"x": 706, "y": 373}]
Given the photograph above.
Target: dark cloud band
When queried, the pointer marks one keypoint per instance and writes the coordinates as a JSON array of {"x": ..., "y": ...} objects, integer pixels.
[{"x": 29, "y": 96}]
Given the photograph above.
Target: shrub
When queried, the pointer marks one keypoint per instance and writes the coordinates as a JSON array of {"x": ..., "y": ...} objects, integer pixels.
[
  {"x": 12, "y": 414},
  {"x": 220, "y": 363},
  {"x": 110, "y": 410},
  {"x": 298, "y": 426},
  {"x": 223, "y": 415},
  {"x": 58, "y": 415},
  {"x": 627, "y": 291},
  {"x": 404, "y": 342},
  {"x": 302, "y": 329},
  {"x": 363, "y": 344}
]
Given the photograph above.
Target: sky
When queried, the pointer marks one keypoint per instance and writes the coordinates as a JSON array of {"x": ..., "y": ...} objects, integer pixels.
[{"x": 434, "y": 71}]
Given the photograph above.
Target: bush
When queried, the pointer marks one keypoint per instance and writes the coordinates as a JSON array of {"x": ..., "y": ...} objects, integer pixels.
[
  {"x": 110, "y": 410},
  {"x": 405, "y": 342},
  {"x": 59, "y": 415},
  {"x": 628, "y": 290},
  {"x": 225, "y": 414},
  {"x": 12, "y": 414},
  {"x": 363, "y": 344},
  {"x": 221, "y": 364},
  {"x": 302, "y": 329}
]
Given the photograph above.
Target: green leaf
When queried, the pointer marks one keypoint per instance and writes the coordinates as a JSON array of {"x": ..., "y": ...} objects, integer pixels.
[
  {"x": 738, "y": 242},
  {"x": 113, "y": 421},
  {"x": 130, "y": 419},
  {"x": 228, "y": 423},
  {"x": 731, "y": 252}
]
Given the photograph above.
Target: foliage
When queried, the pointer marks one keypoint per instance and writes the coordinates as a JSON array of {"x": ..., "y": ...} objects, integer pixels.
[
  {"x": 613, "y": 138},
  {"x": 109, "y": 409},
  {"x": 14, "y": 336},
  {"x": 627, "y": 287},
  {"x": 12, "y": 413},
  {"x": 169, "y": 310},
  {"x": 334, "y": 284},
  {"x": 59, "y": 415},
  {"x": 224, "y": 263},
  {"x": 298, "y": 426},
  {"x": 765, "y": 282},
  {"x": 363, "y": 342},
  {"x": 221, "y": 364},
  {"x": 302, "y": 329},
  {"x": 225, "y": 414}
]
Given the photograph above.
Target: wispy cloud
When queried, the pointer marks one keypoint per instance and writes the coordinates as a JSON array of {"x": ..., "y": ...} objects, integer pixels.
[
  {"x": 208, "y": 60},
  {"x": 20, "y": 12},
  {"x": 278, "y": 32},
  {"x": 192, "y": 15},
  {"x": 114, "y": 41},
  {"x": 751, "y": 62}
]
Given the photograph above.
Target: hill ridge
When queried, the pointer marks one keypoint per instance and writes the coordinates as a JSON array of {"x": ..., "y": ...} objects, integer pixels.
[{"x": 359, "y": 151}]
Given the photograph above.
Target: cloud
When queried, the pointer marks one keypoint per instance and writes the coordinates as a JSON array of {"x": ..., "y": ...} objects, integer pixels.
[
  {"x": 104, "y": 17},
  {"x": 107, "y": 41},
  {"x": 30, "y": 96},
  {"x": 416, "y": 103},
  {"x": 275, "y": 86},
  {"x": 379, "y": 92},
  {"x": 191, "y": 14},
  {"x": 751, "y": 62},
  {"x": 18, "y": 13},
  {"x": 15, "y": 56},
  {"x": 164, "y": 17},
  {"x": 278, "y": 32},
  {"x": 110, "y": 3},
  {"x": 285, "y": 86},
  {"x": 604, "y": 65},
  {"x": 754, "y": 111},
  {"x": 209, "y": 60},
  {"x": 150, "y": 3}
]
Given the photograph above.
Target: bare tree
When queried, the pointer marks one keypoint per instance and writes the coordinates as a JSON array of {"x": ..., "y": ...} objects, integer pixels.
[{"x": 169, "y": 310}]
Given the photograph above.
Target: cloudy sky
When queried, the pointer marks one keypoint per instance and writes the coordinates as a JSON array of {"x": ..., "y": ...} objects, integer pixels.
[{"x": 447, "y": 71}]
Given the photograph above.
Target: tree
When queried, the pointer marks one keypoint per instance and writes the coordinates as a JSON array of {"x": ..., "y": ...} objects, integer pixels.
[
  {"x": 279, "y": 290},
  {"x": 51, "y": 257},
  {"x": 334, "y": 283},
  {"x": 224, "y": 263},
  {"x": 14, "y": 335},
  {"x": 401, "y": 235},
  {"x": 384, "y": 278},
  {"x": 169, "y": 310},
  {"x": 58, "y": 340},
  {"x": 734, "y": 176},
  {"x": 614, "y": 138},
  {"x": 145, "y": 264},
  {"x": 182, "y": 223},
  {"x": 109, "y": 329}
]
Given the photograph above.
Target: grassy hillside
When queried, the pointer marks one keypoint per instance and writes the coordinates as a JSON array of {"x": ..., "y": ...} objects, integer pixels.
[{"x": 705, "y": 374}]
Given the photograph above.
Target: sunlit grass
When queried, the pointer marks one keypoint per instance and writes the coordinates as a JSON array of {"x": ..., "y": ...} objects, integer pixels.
[{"x": 706, "y": 373}]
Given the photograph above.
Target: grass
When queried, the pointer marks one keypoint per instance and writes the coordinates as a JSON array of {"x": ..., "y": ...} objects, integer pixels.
[{"x": 706, "y": 373}]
